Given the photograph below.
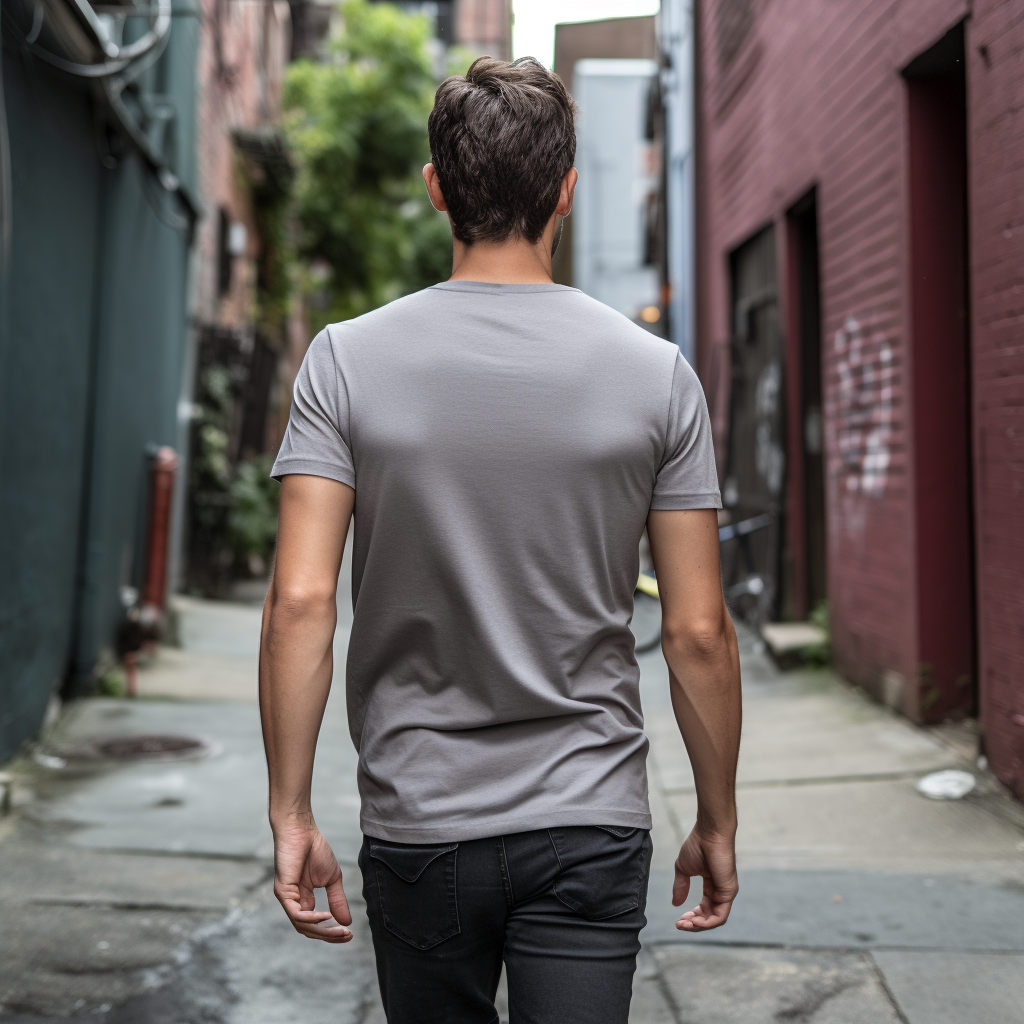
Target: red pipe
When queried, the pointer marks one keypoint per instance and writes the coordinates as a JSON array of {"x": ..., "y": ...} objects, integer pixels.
[{"x": 161, "y": 491}]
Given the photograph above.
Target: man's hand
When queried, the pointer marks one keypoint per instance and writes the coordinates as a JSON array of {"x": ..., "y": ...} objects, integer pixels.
[
  {"x": 303, "y": 861},
  {"x": 713, "y": 858}
]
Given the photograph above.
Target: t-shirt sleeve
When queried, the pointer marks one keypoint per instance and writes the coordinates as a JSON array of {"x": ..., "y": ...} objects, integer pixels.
[
  {"x": 687, "y": 476},
  {"x": 316, "y": 442}
]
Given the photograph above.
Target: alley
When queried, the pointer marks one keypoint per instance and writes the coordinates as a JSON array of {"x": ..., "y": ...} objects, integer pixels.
[
  {"x": 764, "y": 258},
  {"x": 140, "y": 893}
]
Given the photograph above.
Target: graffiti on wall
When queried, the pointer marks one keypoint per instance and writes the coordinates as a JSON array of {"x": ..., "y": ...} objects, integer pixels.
[
  {"x": 860, "y": 416},
  {"x": 768, "y": 454}
]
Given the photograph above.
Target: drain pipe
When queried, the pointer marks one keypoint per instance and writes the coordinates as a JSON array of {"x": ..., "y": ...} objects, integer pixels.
[
  {"x": 161, "y": 490},
  {"x": 145, "y": 622}
]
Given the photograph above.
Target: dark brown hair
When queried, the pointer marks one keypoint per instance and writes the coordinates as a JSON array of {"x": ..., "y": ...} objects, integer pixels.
[{"x": 502, "y": 139}]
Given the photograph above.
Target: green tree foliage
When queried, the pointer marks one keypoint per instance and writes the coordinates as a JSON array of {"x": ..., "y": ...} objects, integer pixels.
[
  {"x": 356, "y": 122},
  {"x": 353, "y": 227}
]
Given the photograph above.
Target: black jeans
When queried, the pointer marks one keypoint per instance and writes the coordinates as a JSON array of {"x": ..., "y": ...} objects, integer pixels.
[{"x": 562, "y": 907}]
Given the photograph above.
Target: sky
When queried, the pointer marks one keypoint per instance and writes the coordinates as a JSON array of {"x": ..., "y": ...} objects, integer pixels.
[{"x": 535, "y": 20}]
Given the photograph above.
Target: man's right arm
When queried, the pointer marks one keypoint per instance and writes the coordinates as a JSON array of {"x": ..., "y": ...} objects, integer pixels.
[
  {"x": 699, "y": 643},
  {"x": 296, "y": 666}
]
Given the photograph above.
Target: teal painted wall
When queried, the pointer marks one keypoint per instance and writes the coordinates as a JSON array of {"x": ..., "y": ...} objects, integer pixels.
[{"x": 92, "y": 343}]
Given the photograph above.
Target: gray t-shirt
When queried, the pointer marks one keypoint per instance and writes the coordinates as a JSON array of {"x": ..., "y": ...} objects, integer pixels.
[{"x": 505, "y": 443}]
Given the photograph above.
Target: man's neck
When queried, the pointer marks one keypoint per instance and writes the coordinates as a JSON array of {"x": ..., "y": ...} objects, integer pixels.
[{"x": 511, "y": 262}]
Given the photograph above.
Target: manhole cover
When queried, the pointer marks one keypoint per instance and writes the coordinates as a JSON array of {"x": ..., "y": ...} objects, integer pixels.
[{"x": 151, "y": 748}]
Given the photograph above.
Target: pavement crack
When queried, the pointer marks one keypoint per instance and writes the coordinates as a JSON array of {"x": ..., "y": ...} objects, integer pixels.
[
  {"x": 239, "y": 858},
  {"x": 819, "y": 780},
  {"x": 106, "y": 904},
  {"x": 814, "y": 998},
  {"x": 266, "y": 876},
  {"x": 834, "y": 947},
  {"x": 366, "y": 1001},
  {"x": 889, "y": 994},
  {"x": 670, "y": 1000}
]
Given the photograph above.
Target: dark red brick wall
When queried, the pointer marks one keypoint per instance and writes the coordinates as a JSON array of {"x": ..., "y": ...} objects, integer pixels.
[
  {"x": 995, "y": 97},
  {"x": 800, "y": 93}
]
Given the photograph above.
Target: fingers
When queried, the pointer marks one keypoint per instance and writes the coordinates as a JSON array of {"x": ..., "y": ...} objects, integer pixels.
[
  {"x": 300, "y": 896},
  {"x": 337, "y": 902},
  {"x": 334, "y": 934},
  {"x": 305, "y": 862},
  {"x": 712, "y": 912},
  {"x": 689, "y": 864},
  {"x": 704, "y": 918},
  {"x": 714, "y": 860},
  {"x": 316, "y": 924},
  {"x": 680, "y": 887}
]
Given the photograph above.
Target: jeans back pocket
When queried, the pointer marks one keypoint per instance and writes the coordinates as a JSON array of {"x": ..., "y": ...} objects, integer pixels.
[
  {"x": 416, "y": 891},
  {"x": 604, "y": 868}
]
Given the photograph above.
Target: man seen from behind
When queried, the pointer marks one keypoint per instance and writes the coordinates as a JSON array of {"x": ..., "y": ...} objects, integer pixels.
[{"x": 502, "y": 442}]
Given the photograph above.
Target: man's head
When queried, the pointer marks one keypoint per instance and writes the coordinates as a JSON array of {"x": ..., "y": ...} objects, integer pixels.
[{"x": 502, "y": 139}]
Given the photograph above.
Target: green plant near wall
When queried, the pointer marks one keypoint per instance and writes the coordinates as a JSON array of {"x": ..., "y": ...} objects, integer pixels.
[
  {"x": 233, "y": 507},
  {"x": 819, "y": 655},
  {"x": 356, "y": 123},
  {"x": 211, "y": 466},
  {"x": 266, "y": 170},
  {"x": 930, "y": 692},
  {"x": 252, "y": 523},
  {"x": 210, "y": 475}
]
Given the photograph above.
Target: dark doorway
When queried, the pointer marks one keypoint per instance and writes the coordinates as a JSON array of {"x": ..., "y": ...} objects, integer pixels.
[
  {"x": 806, "y": 441},
  {"x": 940, "y": 379},
  {"x": 756, "y": 462}
]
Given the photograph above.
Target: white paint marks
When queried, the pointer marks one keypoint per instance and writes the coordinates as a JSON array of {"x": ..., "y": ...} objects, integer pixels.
[
  {"x": 769, "y": 457},
  {"x": 861, "y": 414}
]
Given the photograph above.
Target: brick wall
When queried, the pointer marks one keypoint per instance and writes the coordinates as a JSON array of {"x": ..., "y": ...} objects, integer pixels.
[
  {"x": 485, "y": 26},
  {"x": 242, "y": 56},
  {"x": 800, "y": 93},
  {"x": 995, "y": 61}
]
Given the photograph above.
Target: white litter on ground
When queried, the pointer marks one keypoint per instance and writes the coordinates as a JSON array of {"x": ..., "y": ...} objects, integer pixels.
[
  {"x": 946, "y": 785},
  {"x": 48, "y": 760}
]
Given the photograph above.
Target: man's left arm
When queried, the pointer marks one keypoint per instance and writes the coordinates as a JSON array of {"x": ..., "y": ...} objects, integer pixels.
[{"x": 296, "y": 666}]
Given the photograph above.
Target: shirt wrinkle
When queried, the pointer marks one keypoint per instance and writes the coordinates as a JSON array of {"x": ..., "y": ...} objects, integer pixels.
[{"x": 505, "y": 456}]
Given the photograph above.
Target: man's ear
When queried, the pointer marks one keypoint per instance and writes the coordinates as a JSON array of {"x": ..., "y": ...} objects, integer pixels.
[
  {"x": 434, "y": 189},
  {"x": 567, "y": 193}
]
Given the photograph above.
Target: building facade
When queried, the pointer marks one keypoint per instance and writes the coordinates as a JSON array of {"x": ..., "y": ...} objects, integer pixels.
[
  {"x": 613, "y": 39},
  {"x": 98, "y": 204},
  {"x": 618, "y": 194},
  {"x": 860, "y": 263},
  {"x": 484, "y": 26},
  {"x": 481, "y": 26},
  {"x": 248, "y": 337},
  {"x": 675, "y": 39}
]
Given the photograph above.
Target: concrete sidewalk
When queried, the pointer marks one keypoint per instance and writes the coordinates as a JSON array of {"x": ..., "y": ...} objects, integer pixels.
[
  {"x": 140, "y": 892},
  {"x": 860, "y": 899}
]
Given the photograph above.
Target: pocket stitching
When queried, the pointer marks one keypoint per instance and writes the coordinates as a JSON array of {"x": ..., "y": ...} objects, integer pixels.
[
  {"x": 451, "y": 898},
  {"x": 613, "y": 830},
  {"x": 632, "y": 902},
  {"x": 444, "y": 850}
]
